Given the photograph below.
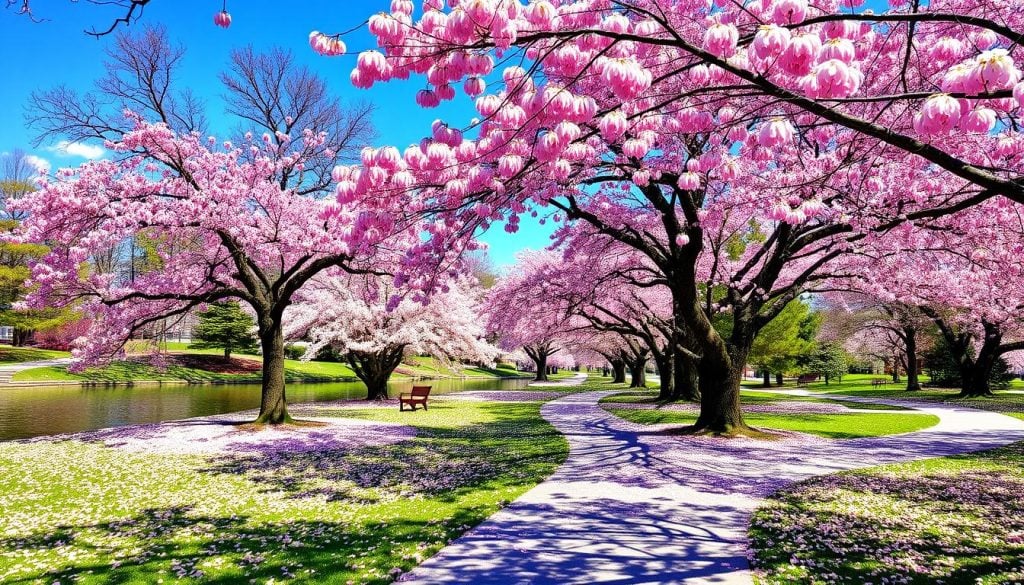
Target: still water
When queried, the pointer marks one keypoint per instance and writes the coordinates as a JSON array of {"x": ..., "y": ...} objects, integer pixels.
[{"x": 49, "y": 410}]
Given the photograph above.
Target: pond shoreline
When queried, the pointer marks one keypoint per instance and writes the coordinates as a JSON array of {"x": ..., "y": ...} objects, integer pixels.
[{"x": 305, "y": 380}]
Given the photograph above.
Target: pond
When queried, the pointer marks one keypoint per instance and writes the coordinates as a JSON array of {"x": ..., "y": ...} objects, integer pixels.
[{"x": 49, "y": 410}]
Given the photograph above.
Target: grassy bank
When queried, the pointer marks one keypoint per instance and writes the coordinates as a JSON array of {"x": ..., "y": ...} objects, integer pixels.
[
  {"x": 208, "y": 367},
  {"x": 834, "y": 426},
  {"x": 83, "y": 513},
  {"x": 14, "y": 355}
]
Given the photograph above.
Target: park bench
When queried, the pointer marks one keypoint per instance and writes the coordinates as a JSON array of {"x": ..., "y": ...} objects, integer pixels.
[
  {"x": 418, "y": 395},
  {"x": 879, "y": 382},
  {"x": 805, "y": 378}
]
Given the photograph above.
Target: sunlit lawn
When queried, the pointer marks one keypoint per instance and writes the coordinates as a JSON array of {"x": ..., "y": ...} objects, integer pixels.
[
  {"x": 9, "y": 354},
  {"x": 84, "y": 513},
  {"x": 837, "y": 426},
  {"x": 295, "y": 371}
]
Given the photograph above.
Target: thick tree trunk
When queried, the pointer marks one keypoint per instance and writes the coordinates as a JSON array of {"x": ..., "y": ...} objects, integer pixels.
[
  {"x": 910, "y": 347},
  {"x": 686, "y": 379},
  {"x": 666, "y": 377},
  {"x": 227, "y": 354},
  {"x": 975, "y": 382},
  {"x": 273, "y": 407},
  {"x": 779, "y": 379},
  {"x": 767, "y": 378},
  {"x": 20, "y": 336},
  {"x": 638, "y": 373},
  {"x": 721, "y": 372},
  {"x": 976, "y": 374},
  {"x": 541, "y": 360},
  {"x": 375, "y": 369},
  {"x": 618, "y": 371}
]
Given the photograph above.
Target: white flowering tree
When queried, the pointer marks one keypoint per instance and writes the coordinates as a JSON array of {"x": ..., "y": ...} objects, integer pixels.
[{"x": 374, "y": 324}]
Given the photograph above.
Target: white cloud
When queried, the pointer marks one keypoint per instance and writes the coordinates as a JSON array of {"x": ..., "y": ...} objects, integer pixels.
[
  {"x": 38, "y": 162},
  {"x": 67, "y": 148}
]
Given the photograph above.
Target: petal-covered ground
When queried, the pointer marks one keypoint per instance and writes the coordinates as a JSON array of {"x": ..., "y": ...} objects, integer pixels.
[
  {"x": 952, "y": 520},
  {"x": 362, "y": 499},
  {"x": 229, "y": 434}
]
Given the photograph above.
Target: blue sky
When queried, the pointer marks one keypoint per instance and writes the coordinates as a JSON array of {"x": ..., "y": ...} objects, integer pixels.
[{"x": 56, "y": 51}]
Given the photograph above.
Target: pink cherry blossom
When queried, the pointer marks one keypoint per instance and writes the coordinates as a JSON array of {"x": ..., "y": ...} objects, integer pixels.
[
  {"x": 721, "y": 39},
  {"x": 222, "y": 19},
  {"x": 939, "y": 114},
  {"x": 775, "y": 132}
]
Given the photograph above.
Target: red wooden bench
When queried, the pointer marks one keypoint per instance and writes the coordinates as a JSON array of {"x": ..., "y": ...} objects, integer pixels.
[{"x": 418, "y": 395}]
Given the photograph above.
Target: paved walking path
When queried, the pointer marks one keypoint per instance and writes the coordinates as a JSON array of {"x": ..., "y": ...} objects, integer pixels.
[
  {"x": 7, "y": 371},
  {"x": 631, "y": 506}
]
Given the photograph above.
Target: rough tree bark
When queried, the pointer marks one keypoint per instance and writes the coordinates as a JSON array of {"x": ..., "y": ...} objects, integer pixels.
[
  {"x": 273, "y": 406},
  {"x": 638, "y": 372},
  {"x": 375, "y": 369},
  {"x": 539, "y": 353},
  {"x": 910, "y": 349},
  {"x": 975, "y": 372},
  {"x": 618, "y": 371},
  {"x": 686, "y": 378}
]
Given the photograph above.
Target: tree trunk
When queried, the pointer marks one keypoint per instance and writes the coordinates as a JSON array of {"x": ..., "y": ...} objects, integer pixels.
[
  {"x": 721, "y": 372},
  {"x": 273, "y": 407},
  {"x": 541, "y": 359},
  {"x": 618, "y": 371},
  {"x": 975, "y": 382},
  {"x": 227, "y": 354},
  {"x": 910, "y": 347},
  {"x": 375, "y": 369},
  {"x": 767, "y": 378},
  {"x": 779, "y": 379},
  {"x": 976, "y": 374},
  {"x": 686, "y": 379},
  {"x": 638, "y": 373},
  {"x": 666, "y": 376},
  {"x": 20, "y": 336}
]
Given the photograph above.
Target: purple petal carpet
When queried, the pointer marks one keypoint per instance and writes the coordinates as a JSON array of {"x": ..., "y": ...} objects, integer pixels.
[{"x": 633, "y": 506}]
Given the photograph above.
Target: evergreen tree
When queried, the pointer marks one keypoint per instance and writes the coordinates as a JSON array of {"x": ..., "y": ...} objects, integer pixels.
[
  {"x": 828, "y": 360},
  {"x": 14, "y": 270},
  {"x": 225, "y": 325},
  {"x": 785, "y": 339}
]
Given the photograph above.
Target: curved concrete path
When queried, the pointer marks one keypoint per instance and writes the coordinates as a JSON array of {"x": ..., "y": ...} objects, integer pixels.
[{"x": 632, "y": 506}]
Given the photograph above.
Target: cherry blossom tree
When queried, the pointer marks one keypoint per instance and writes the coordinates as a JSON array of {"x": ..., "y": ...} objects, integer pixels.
[
  {"x": 375, "y": 324},
  {"x": 520, "y": 319},
  {"x": 965, "y": 276},
  {"x": 743, "y": 171},
  {"x": 892, "y": 331},
  {"x": 229, "y": 229}
]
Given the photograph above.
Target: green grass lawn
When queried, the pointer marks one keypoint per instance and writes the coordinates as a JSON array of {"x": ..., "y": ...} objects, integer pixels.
[
  {"x": 634, "y": 396},
  {"x": 836, "y": 426},
  {"x": 950, "y": 520},
  {"x": 83, "y": 513},
  {"x": 11, "y": 355},
  {"x": 860, "y": 385}
]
